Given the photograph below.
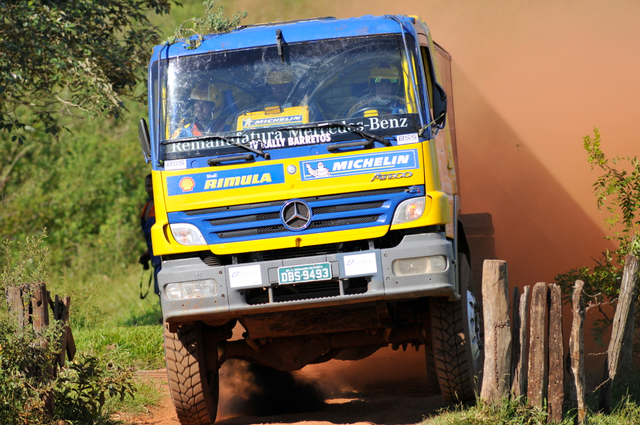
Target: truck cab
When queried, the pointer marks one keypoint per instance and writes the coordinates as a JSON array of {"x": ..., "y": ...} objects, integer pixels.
[{"x": 306, "y": 193}]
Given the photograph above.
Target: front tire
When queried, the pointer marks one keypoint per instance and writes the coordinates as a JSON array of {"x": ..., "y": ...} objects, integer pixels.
[
  {"x": 456, "y": 340},
  {"x": 193, "y": 379}
]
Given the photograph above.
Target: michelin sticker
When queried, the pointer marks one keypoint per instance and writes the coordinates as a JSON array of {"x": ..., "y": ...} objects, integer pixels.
[
  {"x": 268, "y": 122},
  {"x": 225, "y": 179},
  {"x": 360, "y": 164}
]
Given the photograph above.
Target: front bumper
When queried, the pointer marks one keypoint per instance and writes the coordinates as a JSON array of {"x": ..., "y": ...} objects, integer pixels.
[{"x": 374, "y": 267}]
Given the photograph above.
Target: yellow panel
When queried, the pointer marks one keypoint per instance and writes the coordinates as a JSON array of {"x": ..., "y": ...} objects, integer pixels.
[
  {"x": 294, "y": 186},
  {"x": 436, "y": 212}
]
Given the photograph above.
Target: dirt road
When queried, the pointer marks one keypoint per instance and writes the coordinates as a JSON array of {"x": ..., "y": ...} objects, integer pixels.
[{"x": 387, "y": 388}]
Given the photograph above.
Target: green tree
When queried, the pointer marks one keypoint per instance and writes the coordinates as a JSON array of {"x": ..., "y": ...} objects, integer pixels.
[
  {"x": 211, "y": 21},
  {"x": 61, "y": 57},
  {"x": 617, "y": 192},
  {"x": 61, "y": 62}
]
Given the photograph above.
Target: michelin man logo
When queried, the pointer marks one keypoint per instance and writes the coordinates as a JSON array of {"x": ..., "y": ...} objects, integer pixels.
[
  {"x": 321, "y": 171},
  {"x": 247, "y": 122}
]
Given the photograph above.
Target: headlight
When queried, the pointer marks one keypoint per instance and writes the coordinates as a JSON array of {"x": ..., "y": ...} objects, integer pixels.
[
  {"x": 419, "y": 265},
  {"x": 409, "y": 210},
  {"x": 187, "y": 234},
  {"x": 196, "y": 289}
]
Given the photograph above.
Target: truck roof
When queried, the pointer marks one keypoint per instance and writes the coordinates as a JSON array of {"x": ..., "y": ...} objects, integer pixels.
[{"x": 292, "y": 32}]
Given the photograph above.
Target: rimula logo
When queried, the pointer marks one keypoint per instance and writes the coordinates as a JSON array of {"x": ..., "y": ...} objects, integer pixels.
[{"x": 246, "y": 180}]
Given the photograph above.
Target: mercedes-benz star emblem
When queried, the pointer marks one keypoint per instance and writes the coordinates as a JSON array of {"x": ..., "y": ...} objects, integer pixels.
[{"x": 296, "y": 215}]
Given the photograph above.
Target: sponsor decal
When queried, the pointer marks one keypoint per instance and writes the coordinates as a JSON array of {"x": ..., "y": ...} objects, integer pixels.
[
  {"x": 245, "y": 276},
  {"x": 175, "y": 164},
  {"x": 319, "y": 171},
  {"x": 360, "y": 264},
  {"x": 313, "y": 139},
  {"x": 391, "y": 176},
  {"x": 267, "y": 138},
  {"x": 361, "y": 164},
  {"x": 405, "y": 139},
  {"x": 267, "y": 122},
  {"x": 226, "y": 179},
  {"x": 186, "y": 184}
]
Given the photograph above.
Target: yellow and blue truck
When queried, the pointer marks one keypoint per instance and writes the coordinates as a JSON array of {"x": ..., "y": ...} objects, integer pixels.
[{"x": 306, "y": 194}]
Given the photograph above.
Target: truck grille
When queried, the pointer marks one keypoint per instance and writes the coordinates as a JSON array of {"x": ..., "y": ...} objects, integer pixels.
[{"x": 330, "y": 212}]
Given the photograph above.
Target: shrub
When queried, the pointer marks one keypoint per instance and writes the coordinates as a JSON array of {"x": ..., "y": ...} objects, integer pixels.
[{"x": 28, "y": 371}]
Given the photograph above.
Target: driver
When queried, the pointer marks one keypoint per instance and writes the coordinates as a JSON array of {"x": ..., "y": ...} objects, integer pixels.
[
  {"x": 203, "y": 100},
  {"x": 385, "y": 95},
  {"x": 281, "y": 81}
]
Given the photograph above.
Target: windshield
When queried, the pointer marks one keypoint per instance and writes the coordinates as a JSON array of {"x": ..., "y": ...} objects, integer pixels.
[{"x": 258, "y": 96}]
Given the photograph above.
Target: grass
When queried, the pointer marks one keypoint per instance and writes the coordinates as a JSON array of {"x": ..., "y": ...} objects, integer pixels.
[
  {"x": 110, "y": 321},
  {"x": 148, "y": 393},
  {"x": 109, "y": 318},
  {"x": 511, "y": 412},
  {"x": 137, "y": 347}
]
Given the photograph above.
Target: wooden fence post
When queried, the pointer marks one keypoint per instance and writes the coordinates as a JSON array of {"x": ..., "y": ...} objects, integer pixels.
[
  {"x": 39, "y": 307},
  {"x": 14, "y": 302},
  {"x": 576, "y": 352},
  {"x": 67, "y": 343},
  {"x": 619, "y": 328},
  {"x": 538, "y": 346},
  {"x": 496, "y": 381},
  {"x": 520, "y": 327},
  {"x": 29, "y": 304},
  {"x": 556, "y": 355}
]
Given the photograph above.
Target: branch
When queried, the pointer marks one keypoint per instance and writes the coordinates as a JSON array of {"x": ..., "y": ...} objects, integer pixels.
[{"x": 6, "y": 172}]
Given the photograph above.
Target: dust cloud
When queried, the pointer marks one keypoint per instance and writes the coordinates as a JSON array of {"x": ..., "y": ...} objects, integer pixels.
[{"x": 254, "y": 390}]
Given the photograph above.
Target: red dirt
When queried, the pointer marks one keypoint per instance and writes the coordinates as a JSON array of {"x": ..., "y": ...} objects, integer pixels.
[{"x": 387, "y": 388}]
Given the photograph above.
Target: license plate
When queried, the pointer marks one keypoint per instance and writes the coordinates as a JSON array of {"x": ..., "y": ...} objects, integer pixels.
[{"x": 305, "y": 273}]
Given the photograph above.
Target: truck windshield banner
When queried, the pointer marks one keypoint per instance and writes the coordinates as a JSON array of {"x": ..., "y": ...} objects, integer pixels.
[{"x": 278, "y": 138}]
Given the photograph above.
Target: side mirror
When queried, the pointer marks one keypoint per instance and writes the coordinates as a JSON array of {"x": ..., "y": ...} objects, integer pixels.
[
  {"x": 145, "y": 140},
  {"x": 439, "y": 105}
]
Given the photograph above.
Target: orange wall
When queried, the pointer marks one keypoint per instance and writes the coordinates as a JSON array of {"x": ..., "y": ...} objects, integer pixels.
[{"x": 531, "y": 79}]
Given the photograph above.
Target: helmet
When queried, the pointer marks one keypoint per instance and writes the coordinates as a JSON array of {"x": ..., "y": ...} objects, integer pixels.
[
  {"x": 206, "y": 92},
  {"x": 280, "y": 76},
  {"x": 384, "y": 71}
]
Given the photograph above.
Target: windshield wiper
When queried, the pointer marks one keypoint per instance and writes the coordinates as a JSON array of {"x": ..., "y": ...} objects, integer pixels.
[{"x": 228, "y": 140}]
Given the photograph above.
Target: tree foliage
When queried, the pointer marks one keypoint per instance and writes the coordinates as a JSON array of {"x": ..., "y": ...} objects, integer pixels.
[
  {"x": 212, "y": 21},
  {"x": 62, "y": 60},
  {"x": 70, "y": 57},
  {"x": 617, "y": 191},
  {"x": 87, "y": 191}
]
